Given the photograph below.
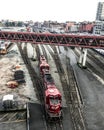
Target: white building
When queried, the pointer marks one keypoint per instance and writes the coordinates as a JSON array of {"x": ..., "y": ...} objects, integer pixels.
[
  {"x": 100, "y": 11},
  {"x": 98, "y": 28},
  {"x": 99, "y": 23}
]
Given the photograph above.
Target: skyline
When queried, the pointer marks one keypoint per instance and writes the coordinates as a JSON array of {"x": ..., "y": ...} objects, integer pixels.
[{"x": 39, "y": 10}]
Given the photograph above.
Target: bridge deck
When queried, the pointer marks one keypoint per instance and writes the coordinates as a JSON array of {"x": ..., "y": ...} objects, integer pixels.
[{"x": 54, "y": 39}]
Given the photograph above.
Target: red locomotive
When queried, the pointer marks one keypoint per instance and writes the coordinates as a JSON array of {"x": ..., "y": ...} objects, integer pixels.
[
  {"x": 42, "y": 58},
  {"x": 43, "y": 64},
  {"x": 52, "y": 96}
]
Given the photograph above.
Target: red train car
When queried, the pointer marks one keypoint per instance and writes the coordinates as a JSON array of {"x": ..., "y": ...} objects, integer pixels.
[
  {"x": 42, "y": 59},
  {"x": 53, "y": 102},
  {"x": 43, "y": 66},
  {"x": 47, "y": 78},
  {"x": 52, "y": 96}
]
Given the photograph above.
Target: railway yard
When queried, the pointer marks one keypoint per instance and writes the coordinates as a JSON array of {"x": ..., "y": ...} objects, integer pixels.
[{"x": 82, "y": 90}]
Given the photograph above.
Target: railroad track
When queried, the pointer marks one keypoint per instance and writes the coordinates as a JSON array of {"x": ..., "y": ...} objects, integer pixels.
[
  {"x": 12, "y": 116},
  {"x": 51, "y": 125},
  {"x": 44, "y": 52},
  {"x": 35, "y": 79},
  {"x": 91, "y": 67},
  {"x": 98, "y": 52},
  {"x": 94, "y": 58},
  {"x": 9, "y": 46},
  {"x": 97, "y": 62},
  {"x": 76, "y": 100},
  {"x": 39, "y": 86},
  {"x": 55, "y": 126},
  {"x": 13, "y": 119},
  {"x": 71, "y": 93}
]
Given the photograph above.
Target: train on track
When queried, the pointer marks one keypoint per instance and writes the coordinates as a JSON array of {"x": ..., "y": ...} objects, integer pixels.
[
  {"x": 100, "y": 51},
  {"x": 52, "y": 96}
]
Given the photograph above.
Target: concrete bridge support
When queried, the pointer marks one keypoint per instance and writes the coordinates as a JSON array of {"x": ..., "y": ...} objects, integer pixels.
[
  {"x": 34, "y": 55},
  {"x": 82, "y": 58}
]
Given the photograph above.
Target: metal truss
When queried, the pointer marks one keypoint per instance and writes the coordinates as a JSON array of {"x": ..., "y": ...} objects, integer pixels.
[{"x": 86, "y": 41}]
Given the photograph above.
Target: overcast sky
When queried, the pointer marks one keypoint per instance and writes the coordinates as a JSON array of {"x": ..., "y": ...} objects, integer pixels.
[{"x": 55, "y": 10}]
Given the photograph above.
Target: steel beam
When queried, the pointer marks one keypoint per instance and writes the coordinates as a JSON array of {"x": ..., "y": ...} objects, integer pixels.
[{"x": 85, "y": 41}]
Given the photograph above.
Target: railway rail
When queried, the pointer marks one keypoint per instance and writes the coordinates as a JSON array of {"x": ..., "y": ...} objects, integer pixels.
[
  {"x": 73, "y": 98},
  {"x": 9, "y": 46},
  {"x": 96, "y": 60},
  {"x": 54, "y": 124},
  {"x": 13, "y": 119},
  {"x": 76, "y": 100},
  {"x": 36, "y": 81},
  {"x": 99, "y": 52},
  {"x": 44, "y": 52},
  {"x": 12, "y": 116},
  {"x": 39, "y": 87}
]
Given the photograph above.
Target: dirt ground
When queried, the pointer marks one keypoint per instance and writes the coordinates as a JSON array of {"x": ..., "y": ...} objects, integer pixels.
[{"x": 24, "y": 92}]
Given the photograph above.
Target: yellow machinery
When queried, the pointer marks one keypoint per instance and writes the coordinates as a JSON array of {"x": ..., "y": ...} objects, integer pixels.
[
  {"x": 2, "y": 48},
  {"x": 3, "y": 51}
]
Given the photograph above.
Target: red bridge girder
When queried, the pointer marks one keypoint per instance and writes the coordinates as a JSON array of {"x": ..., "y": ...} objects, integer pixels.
[{"x": 85, "y": 41}]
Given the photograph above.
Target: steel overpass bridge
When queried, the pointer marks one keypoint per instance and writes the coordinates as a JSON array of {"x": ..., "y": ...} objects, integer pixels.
[
  {"x": 85, "y": 41},
  {"x": 82, "y": 41}
]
